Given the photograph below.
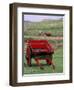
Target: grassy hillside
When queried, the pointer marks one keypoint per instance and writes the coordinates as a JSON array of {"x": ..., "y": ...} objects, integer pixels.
[{"x": 53, "y": 26}]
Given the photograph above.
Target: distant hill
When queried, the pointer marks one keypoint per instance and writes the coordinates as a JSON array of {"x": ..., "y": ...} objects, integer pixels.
[{"x": 53, "y": 26}]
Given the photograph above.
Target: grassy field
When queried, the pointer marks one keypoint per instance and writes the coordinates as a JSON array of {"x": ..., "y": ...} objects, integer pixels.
[
  {"x": 31, "y": 30},
  {"x": 58, "y": 59}
]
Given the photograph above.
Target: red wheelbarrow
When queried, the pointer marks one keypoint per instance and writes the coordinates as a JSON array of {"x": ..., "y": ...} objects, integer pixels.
[{"x": 39, "y": 50}]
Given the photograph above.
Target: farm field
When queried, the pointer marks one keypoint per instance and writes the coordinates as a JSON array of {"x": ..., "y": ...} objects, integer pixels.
[
  {"x": 33, "y": 30},
  {"x": 58, "y": 59}
]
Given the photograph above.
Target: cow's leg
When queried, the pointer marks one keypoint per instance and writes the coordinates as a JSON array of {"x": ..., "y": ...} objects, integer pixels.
[
  {"x": 50, "y": 62},
  {"x": 38, "y": 63},
  {"x": 53, "y": 66}
]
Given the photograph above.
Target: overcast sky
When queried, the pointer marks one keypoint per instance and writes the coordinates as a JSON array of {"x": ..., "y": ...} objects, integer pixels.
[{"x": 37, "y": 18}]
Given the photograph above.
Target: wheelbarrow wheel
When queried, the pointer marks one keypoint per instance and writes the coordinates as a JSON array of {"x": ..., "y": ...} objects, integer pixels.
[
  {"x": 28, "y": 57},
  {"x": 28, "y": 62}
]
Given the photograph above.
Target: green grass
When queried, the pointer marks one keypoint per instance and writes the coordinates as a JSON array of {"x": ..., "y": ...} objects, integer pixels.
[{"x": 57, "y": 58}]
